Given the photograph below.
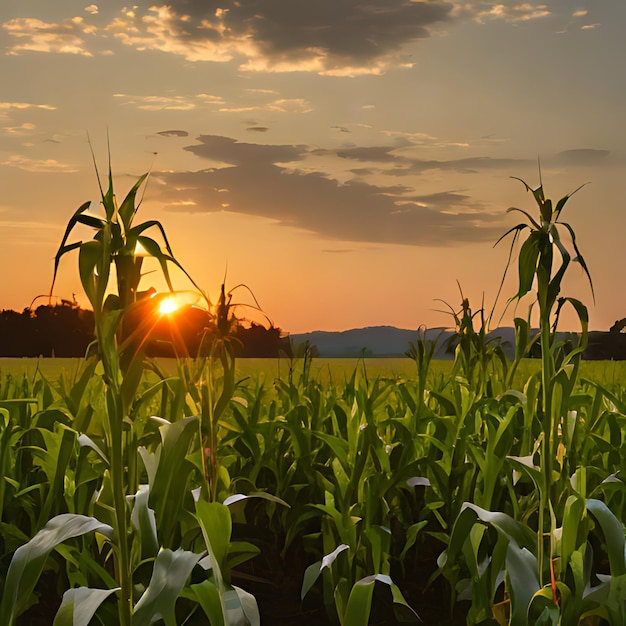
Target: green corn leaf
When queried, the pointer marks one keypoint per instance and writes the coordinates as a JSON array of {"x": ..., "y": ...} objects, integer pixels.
[
  {"x": 360, "y": 602},
  {"x": 522, "y": 571},
  {"x": 545, "y": 208},
  {"x": 79, "y": 605},
  {"x": 89, "y": 257},
  {"x": 54, "y": 461},
  {"x": 170, "y": 573},
  {"x": 579, "y": 258},
  {"x": 244, "y": 611},
  {"x": 528, "y": 260},
  {"x": 313, "y": 571},
  {"x": 28, "y": 561},
  {"x": 63, "y": 248},
  {"x": 167, "y": 489},
  {"x": 239, "y": 497},
  {"x": 411, "y": 537},
  {"x": 573, "y": 518},
  {"x": 91, "y": 220},
  {"x": 216, "y": 524},
  {"x": 562, "y": 201},
  {"x": 154, "y": 250},
  {"x": 530, "y": 218},
  {"x": 144, "y": 521},
  {"x": 207, "y": 596},
  {"x": 613, "y": 531},
  {"x": 311, "y": 574},
  {"x": 514, "y": 531},
  {"x": 128, "y": 209},
  {"x": 338, "y": 446}
]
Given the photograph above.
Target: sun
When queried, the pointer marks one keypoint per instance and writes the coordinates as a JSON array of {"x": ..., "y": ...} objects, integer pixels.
[{"x": 168, "y": 305}]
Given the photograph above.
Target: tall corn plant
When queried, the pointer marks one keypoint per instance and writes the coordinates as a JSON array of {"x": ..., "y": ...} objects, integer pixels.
[
  {"x": 538, "y": 265},
  {"x": 117, "y": 247},
  {"x": 536, "y": 578}
]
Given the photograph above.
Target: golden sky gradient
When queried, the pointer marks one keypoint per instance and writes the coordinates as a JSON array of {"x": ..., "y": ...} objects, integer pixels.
[{"x": 349, "y": 161}]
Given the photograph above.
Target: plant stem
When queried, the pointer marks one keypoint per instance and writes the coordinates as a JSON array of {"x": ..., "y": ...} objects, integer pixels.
[{"x": 119, "y": 503}]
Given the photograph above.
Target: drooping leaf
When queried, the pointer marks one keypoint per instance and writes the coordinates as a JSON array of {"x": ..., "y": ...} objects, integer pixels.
[
  {"x": 79, "y": 605},
  {"x": 28, "y": 561},
  {"x": 170, "y": 573},
  {"x": 613, "y": 531},
  {"x": 208, "y": 597},
  {"x": 522, "y": 571}
]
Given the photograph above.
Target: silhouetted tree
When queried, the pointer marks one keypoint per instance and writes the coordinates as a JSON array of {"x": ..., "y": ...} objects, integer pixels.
[
  {"x": 66, "y": 330},
  {"x": 63, "y": 330}
]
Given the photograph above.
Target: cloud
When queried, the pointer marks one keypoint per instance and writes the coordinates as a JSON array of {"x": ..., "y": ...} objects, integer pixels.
[
  {"x": 23, "y": 129},
  {"x": 282, "y": 105},
  {"x": 6, "y": 106},
  {"x": 38, "y": 165},
  {"x": 168, "y": 103},
  {"x": 581, "y": 156},
  {"x": 256, "y": 180},
  {"x": 325, "y": 36},
  {"x": 404, "y": 164},
  {"x": 34, "y": 35},
  {"x": 92, "y": 9},
  {"x": 521, "y": 12},
  {"x": 506, "y": 10},
  {"x": 257, "y": 129},
  {"x": 173, "y": 133}
]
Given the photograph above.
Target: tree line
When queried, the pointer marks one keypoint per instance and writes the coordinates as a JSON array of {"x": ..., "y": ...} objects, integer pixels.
[{"x": 67, "y": 330}]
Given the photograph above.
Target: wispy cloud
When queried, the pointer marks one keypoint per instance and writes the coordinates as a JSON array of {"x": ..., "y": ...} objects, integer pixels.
[
  {"x": 7, "y": 106},
  {"x": 168, "y": 103},
  {"x": 282, "y": 105},
  {"x": 35, "y": 35},
  {"x": 38, "y": 165},
  {"x": 508, "y": 11},
  {"x": 23, "y": 129}
]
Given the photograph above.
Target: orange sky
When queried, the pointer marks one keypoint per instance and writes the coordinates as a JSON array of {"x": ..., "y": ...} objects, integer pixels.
[{"x": 349, "y": 165}]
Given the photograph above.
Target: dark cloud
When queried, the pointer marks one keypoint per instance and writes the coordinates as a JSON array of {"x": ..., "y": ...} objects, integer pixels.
[
  {"x": 173, "y": 133},
  {"x": 231, "y": 151},
  {"x": 330, "y": 33},
  {"x": 255, "y": 183},
  {"x": 257, "y": 129},
  {"x": 408, "y": 165},
  {"x": 582, "y": 156}
]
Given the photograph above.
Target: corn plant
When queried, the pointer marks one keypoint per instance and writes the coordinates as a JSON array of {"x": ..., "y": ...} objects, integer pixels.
[
  {"x": 536, "y": 266},
  {"x": 119, "y": 245},
  {"x": 544, "y": 581},
  {"x": 479, "y": 359}
]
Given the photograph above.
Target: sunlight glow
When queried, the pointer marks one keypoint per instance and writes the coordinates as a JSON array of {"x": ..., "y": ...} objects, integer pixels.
[{"x": 168, "y": 305}]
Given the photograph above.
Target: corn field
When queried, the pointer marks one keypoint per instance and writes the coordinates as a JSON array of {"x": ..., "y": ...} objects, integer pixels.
[{"x": 484, "y": 493}]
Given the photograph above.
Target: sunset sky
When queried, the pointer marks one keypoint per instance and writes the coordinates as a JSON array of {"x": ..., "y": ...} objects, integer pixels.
[{"x": 348, "y": 160}]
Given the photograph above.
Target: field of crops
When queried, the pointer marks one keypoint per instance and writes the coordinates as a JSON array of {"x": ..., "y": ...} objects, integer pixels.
[
  {"x": 322, "y": 475},
  {"x": 214, "y": 491}
]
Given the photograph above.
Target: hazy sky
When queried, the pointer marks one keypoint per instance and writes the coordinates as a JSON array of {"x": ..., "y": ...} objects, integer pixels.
[{"x": 348, "y": 160}]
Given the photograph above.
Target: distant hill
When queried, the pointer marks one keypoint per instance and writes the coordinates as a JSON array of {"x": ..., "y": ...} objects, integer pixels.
[{"x": 386, "y": 341}]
